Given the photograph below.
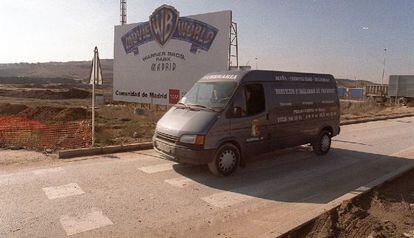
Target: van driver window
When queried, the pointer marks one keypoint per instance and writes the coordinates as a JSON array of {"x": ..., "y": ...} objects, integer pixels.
[
  {"x": 239, "y": 103},
  {"x": 250, "y": 100}
]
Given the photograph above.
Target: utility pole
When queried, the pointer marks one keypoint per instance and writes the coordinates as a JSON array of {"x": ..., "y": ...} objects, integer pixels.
[
  {"x": 383, "y": 66},
  {"x": 93, "y": 110}
]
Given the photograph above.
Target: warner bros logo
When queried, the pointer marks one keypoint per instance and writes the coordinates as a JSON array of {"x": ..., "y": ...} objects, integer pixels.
[{"x": 163, "y": 23}]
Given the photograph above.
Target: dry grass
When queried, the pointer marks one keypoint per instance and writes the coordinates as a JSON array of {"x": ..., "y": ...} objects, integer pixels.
[
  {"x": 360, "y": 108},
  {"x": 120, "y": 124}
]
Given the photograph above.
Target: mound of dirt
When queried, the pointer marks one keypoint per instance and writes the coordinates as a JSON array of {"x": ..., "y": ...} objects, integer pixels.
[
  {"x": 72, "y": 93},
  {"x": 45, "y": 113},
  {"x": 11, "y": 109},
  {"x": 40, "y": 113},
  {"x": 41, "y": 94},
  {"x": 72, "y": 114},
  {"x": 76, "y": 93},
  {"x": 387, "y": 211}
]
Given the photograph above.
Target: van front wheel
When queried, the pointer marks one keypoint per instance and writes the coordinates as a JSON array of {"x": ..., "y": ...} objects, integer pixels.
[
  {"x": 226, "y": 160},
  {"x": 322, "y": 143}
]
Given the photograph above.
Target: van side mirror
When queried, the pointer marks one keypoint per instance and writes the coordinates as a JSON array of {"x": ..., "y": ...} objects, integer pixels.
[{"x": 236, "y": 112}]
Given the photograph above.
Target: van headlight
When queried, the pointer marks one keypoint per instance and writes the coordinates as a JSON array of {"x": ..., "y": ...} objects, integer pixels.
[{"x": 193, "y": 139}]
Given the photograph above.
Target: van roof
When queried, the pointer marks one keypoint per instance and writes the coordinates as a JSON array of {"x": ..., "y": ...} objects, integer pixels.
[{"x": 242, "y": 76}]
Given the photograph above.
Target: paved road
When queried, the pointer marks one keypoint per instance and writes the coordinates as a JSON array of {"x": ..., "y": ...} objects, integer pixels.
[{"x": 138, "y": 194}]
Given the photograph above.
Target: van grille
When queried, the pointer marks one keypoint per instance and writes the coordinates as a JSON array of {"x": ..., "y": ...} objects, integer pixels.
[{"x": 166, "y": 137}]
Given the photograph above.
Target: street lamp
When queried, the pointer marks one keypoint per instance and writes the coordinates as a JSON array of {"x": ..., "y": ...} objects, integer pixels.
[
  {"x": 247, "y": 63},
  {"x": 383, "y": 66}
]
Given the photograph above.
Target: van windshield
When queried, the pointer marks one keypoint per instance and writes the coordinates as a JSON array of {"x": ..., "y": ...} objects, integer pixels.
[{"x": 211, "y": 95}]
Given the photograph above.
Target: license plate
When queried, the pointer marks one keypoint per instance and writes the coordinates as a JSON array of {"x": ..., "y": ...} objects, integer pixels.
[{"x": 165, "y": 148}]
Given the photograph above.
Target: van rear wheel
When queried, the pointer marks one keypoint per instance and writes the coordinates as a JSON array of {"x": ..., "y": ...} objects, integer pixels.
[
  {"x": 403, "y": 101},
  {"x": 226, "y": 160},
  {"x": 322, "y": 144}
]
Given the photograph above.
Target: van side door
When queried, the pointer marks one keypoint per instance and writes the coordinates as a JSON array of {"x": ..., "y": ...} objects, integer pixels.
[{"x": 249, "y": 119}]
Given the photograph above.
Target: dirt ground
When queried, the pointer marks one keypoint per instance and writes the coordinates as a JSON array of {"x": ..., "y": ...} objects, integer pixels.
[
  {"x": 123, "y": 124},
  {"x": 351, "y": 110},
  {"x": 20, "y": 157},
  {"x": 387, "y": 211}
]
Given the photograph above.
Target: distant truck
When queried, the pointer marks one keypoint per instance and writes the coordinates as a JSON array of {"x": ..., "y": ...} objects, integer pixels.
[
  {"x": 376, "y": 93},
  {"x": 400, "y": 90}
]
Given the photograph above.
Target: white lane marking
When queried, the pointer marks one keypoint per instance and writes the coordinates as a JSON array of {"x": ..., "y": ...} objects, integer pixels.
[
  {"x": 136, "y": 158},
  {"x": 47, "y": 171},
  {"x": 6, "y": 179},
  {"x": 20, "y": 177},
  {"x": 87, "y": 222},
  {"x": 67, "y": 190},
  {"x": 225, "y": 199},
  {"x": 410, "y": 151},
  {"x": 157, "y": 168},
  {"x": 241, "y": 194},
  {"x": 179, "y": 182}
]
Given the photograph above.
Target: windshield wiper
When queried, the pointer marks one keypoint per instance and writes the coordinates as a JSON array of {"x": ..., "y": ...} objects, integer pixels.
[
  {"x": 180, "y": 103},
  {"x": 185, "y": 106},
  {"x": 202, "y": 106}
]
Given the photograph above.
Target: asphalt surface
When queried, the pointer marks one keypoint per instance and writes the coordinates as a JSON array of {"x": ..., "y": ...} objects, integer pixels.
[{"x": 138, "y": 194}]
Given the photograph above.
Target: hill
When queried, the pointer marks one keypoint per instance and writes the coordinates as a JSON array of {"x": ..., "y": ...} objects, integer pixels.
[
  {"x": 75, "y": 71},
  {"x": 54, "y": 71}
]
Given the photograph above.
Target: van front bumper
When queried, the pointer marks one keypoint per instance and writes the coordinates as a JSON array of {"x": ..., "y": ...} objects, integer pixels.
[{"x": 182, "y": 154}]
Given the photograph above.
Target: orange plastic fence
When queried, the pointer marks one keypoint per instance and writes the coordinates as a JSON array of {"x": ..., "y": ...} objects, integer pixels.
[{"x": 20, "y": 131}]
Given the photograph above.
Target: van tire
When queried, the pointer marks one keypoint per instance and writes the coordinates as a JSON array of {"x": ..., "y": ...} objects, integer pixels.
[
  {"x": 226, "y": 160},
  {"x": 322, "y": 143},
  {"x": 403, "y": 101}
]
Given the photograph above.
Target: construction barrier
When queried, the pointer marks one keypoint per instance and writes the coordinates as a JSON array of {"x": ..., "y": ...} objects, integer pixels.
[{"x": 33, "y": 134}]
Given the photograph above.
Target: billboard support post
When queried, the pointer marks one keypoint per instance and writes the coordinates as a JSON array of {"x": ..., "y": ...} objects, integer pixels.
[
  {"x": 123, "y": 12},
  {"x": 95, "y": 78},
  {"x": 234, "y": 46}
]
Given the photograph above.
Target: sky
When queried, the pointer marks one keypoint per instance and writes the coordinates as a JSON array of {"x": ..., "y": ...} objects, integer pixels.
[{"x": 345, "y": 38}]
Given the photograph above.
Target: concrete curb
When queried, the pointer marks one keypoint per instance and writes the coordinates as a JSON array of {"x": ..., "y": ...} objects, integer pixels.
[
  {"x": 67, "y": 154},
  {"x": 358, "y": 193},
  {"x": 357, "y": 121}
]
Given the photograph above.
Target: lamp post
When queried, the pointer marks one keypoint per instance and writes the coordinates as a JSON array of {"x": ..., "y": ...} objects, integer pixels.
[
  {"x": 255, "y": 58},
  {"x": 383, "y": 66}
]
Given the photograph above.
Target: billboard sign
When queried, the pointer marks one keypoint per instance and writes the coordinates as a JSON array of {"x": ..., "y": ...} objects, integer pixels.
[{"x": 159, "y": 60}]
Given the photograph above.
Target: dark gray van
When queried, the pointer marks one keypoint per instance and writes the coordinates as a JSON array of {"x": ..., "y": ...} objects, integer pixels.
[{"x": 229, "y": 116}]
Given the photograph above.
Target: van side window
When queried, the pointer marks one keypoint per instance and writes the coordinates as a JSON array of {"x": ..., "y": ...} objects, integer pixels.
[
  {"x": 255, "y": 99},
  {"x": 249, "y": 100}
]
